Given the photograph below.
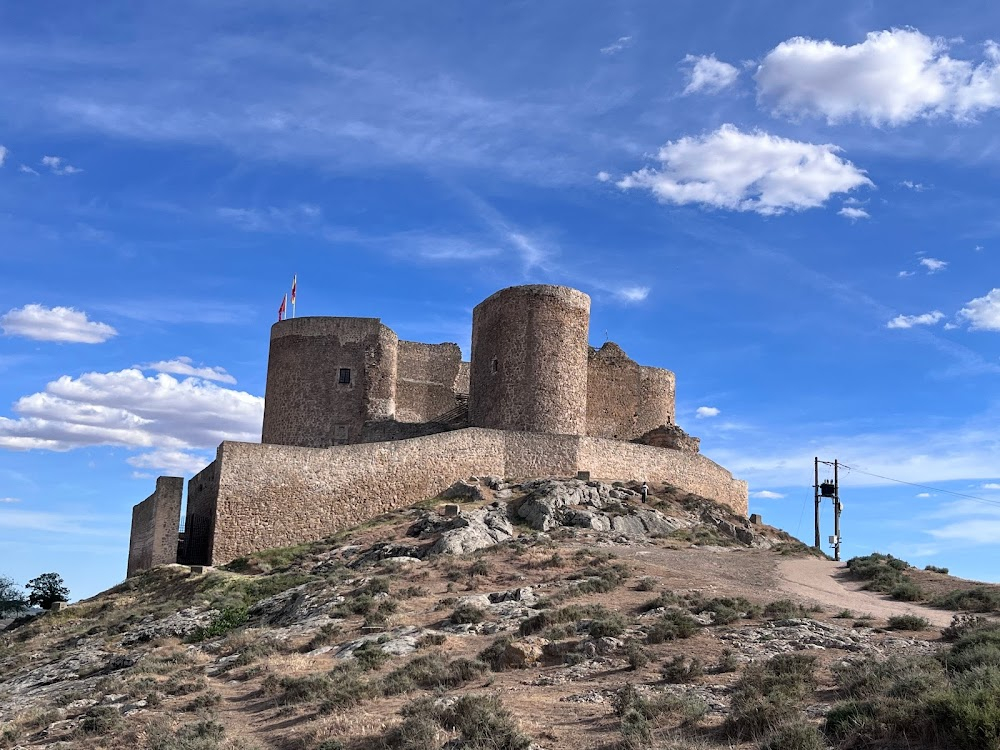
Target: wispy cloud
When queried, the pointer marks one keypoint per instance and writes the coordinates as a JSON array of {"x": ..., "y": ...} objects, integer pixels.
[
  {"x": 706, "y": 412},
  {"x": 3, "y": 155},
  {"x": 853, "y": 213},
  {"x": 10, "y": 499},
  {"x": 909, "y": 321},
  {"x": 933, "y": 265},
  {"x": 623, "y": 42},
  {"x": 186, "y": 366},
  {"x": 633, "y": 293},
  {"x": 766, "y": 495},
  {"x": 69, "y": 524},
  {"x": 58, "y": 165}
]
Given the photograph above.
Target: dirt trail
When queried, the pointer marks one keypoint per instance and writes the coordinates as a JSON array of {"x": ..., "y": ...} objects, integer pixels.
[{"x": 822, "y": 581}]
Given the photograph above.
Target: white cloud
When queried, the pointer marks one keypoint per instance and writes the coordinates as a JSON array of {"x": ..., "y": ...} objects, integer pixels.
[
  {"x": 3, "y": 154},
  {"x": 975, "y": 531},
  {"x": 131, "y": 410},
  {"x": 767, "y": 495},
  {"x": 978, "y": 248},
  {"x": 933, "y": 265},
  {"x": 908, "y": 321},
  {"x": 295, "y": 218},
  {"x": 904, "y": 274},
  {"x": 633, "y": 293},
  {"x": 918, "y": 186},
  {"x": 991, "y": 486},
  {"x": 708, "y": 75},
  {"x": 617, "y": 46},
  {"x": 923, "y": 494},
  {"x": 747, "y": 172},
  {"x": 10, "y": 499},
  {"x": 57, "y": 165},
  {"x": 892, "y": 78},
  {"x": 171, "y": 462},
  {"x": 184, "y": 366},
  {"x": 704, "y": 412},
  {"x": 59, "y": 523},
  {"x": 983, "y": 313},
  {"x": 852, "y": 213},
  {"x": 603, "y": 176},
  {"x": 55, "y": 324},
  {"x": 27, "y": 170}
]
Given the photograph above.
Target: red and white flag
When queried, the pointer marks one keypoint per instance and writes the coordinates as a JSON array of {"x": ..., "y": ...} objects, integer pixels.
[
  {"x": 295, "y": 284},
  {"x": 282, "y": 308}
]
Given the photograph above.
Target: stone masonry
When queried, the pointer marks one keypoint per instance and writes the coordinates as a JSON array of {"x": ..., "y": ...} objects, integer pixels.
[{"x": 357, "y": 423}]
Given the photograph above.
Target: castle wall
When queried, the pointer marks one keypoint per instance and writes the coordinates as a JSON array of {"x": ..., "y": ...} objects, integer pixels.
[
  {"x": 154, "y": 526},
  {"x": 199, "y": 523},
  {"x": 305, "y": 403},
  {"x": 606, "y": 459},
  {"x": 273, "y": 496},
  {"x": 427, "y": 377},
  {"x": 529, "y": 360},
  {"x": 624, "y": 399}
]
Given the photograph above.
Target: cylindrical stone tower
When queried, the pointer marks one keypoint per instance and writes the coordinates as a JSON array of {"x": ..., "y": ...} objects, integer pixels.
[
  {"x": 326, "y": 377},
  {"x": 529, "y": 360}
]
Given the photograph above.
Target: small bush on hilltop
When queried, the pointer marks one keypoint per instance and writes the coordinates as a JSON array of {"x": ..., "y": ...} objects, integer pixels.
[
  {"x": 962, "y": 624},
  {"x": 908, "y": 622},
  {"x": 674, "y": 625},
  {"x": 784, "y": 609},
  {"x": 768, "y": 695},
  {"x": 936, "y": 569},
  {"x": 978, "y": 599},
  {"x": 885, "y": 573}
]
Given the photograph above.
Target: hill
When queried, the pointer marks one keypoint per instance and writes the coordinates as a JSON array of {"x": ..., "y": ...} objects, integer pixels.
[{"x": 550, "y": 614}]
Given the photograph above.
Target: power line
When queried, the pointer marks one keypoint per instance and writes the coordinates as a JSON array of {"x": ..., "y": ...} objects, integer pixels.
[{"x": 922, "y": 486}]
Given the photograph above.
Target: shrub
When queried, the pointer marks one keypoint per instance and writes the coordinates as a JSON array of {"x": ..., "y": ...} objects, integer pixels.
[
  {"x": 228, "y": 619},
  {"x": 636, "y": 655},
  {"x": 607, "y": 627},
  {"x": 936, "y": 569},
  {"x": 479, "y": 568},
  {"x": 784, "y": 609},
  {"x": 369, "y": 655},
  {"x": 962, "y": 624},
  {"x": 645, "y": 584},
  {"x": 431, "y": 639},
  {"x": 573, "y": 613},
  {"x": 466, "y": 614},
  {"x": 101, "y": 720},
  {"x": 207, "y": 699},
  {"x": 844, "y": 614},
  {"x": 431, "y": 671},
  {"x": 339, "y": 689},
  {"x": 727, "y": 661},
  {"x": 674, "y": 625},
  {"x": 493, "y": 655},
  {"x": 484, "y": 724},
  {"x": 680, "y": 669},
  {"x": 907, "y": 622},
  {"x": 796, "y": 735},
  {"x": 666, "y": 599},
  {"x": 978, "y": 599},
  {"x": 768, "y": 694},
  {"x": 906, "y": 591}
]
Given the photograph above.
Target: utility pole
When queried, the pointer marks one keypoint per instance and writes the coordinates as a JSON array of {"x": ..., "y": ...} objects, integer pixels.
[
  {"x": 830, "y": 489},
  {"x": 817, "y": 544}
]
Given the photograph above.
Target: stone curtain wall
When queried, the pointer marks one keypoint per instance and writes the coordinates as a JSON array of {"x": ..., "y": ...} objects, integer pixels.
[
  {"x": 274, "y": 496},
  {"x": 624, "y": 399},
  {"x": 305, "y": 403},
  {"x": 154, "y": 526},
  {"x": 427, "y": 377},
  {"x": 529, "y": 360},
  {"x": 199, "y": 524}
]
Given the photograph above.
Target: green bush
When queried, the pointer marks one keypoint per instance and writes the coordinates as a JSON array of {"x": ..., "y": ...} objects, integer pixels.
[
  {"x": 768, "y": 695},
  {"x": 493, "y": 655},
  {"x": 962, "y": 624},
  {"x": 978, "y": 599},
  {"x": 228, "y": 619},
  {"x": 784, "y": 609},
  {"x": 467, "y": 614},
  {"x": 936, "y": 569},
  {"x": 675, "y": 624},
  {"x": 636, "y": 655},
  {"x": 573, "y": 613},
  {"x": 907, "y": 622},
  {"x": 680, "y": 669},
  {"x": 906, "y": 591},
  {"x": 611, "y": 626},
  {"x": 484, "y": 724},
  {"x": 431, "y": 671},
  {"x": 796, "y": 735},
  {"x": 101, "y": 720},
  {"x": 369, "y": 655}
]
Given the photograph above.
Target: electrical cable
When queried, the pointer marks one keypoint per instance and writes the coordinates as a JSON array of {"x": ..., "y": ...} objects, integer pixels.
[{"x": 921, "y": 486}]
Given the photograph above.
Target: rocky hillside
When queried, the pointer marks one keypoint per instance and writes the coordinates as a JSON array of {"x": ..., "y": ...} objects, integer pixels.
[{"x": 549, "y": 614}]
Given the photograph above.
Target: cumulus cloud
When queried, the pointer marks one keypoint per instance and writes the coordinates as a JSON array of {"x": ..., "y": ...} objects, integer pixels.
[
  {"x": 55, "y": 324},
  {"x": 752, "y": 171},
  {"x": 184, "y": 366},
  {"x": 908, "y": 321},
  {"x": 603, "y": 176},
  {"x": 767, "y": 495},
  {"x": 3, "y": 154},
  {"x": 983, "y": 313},
  {"x": 853, "y": 213},
  {"x": 933, "y": 265},
  {"x": 708, "y": 75},
  {"x": 633, "y": 293},
  {"x": 58, "y": 165},
  {"x": 132, "y": 410},
  {"x": 617, "y": 46},
  {"x": 704, "y": 412},
  {"x": 172, "y": 462},
  {"x": 891, "y": 78}
]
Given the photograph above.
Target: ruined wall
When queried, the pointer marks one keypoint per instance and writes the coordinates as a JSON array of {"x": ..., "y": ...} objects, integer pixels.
[
  {"x": 273, "y": 496},
  {"x": 606, "y": 459},
  {"x": 199, "y": 523},
  {"x": 154, "y": 526},
  {"x": 427, "y": 377},
  {"x": 305, "y": 403},
  {"x": 462, "y": 381},
  {"x": 624, "y": 399},
  {"x": 529, "y": 360}
]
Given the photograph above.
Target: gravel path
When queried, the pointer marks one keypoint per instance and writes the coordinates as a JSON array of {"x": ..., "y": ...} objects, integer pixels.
[{"x": 823, "y": 582}]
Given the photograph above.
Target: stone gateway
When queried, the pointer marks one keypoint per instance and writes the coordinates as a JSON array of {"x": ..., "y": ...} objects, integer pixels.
[{"x": 358, "y": 423}]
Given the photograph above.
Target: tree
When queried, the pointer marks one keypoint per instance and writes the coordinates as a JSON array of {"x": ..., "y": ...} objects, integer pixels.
[
  {"x": 46, "y": 590},
  {"x": 12, "y": 599}
]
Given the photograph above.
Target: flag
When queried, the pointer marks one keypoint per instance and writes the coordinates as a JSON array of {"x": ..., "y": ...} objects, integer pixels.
[
  {"x": 295, "y": 284},
  {"x": 281, "y": 309}
]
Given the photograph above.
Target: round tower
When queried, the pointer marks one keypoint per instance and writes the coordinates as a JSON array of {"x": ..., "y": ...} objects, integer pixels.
[
  {"x": 529, "y": 360},
  {"x": 327, "y": 377}
]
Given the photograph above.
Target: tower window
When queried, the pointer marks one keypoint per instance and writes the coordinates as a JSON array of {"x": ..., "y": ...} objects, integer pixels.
[
  {"x": 345, "y": 376},
  {"x": 494, "y": 365}
]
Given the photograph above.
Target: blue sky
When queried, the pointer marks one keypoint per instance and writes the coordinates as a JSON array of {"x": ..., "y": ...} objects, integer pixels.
[{"x": 791, "y": 205}]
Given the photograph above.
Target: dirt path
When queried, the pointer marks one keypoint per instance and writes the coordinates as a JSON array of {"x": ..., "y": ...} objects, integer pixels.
[{"x": 823, "y": 582}]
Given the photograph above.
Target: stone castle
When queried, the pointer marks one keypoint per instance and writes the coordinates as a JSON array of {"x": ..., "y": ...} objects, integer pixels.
[{"x": 358, "y": 423}]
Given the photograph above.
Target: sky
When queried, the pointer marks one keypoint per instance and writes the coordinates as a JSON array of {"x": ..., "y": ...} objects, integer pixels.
[{"x": 792, "y": 205}]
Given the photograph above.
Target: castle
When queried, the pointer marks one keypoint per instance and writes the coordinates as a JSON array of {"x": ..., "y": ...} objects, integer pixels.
[{"x": 358, "y": 423}]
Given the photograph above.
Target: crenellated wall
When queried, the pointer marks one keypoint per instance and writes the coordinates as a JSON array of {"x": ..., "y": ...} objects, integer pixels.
[
  {"x": 427, "y": 380},
  {"x": 153, "y": 540},
  {"x": 624, "y": 399}
]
